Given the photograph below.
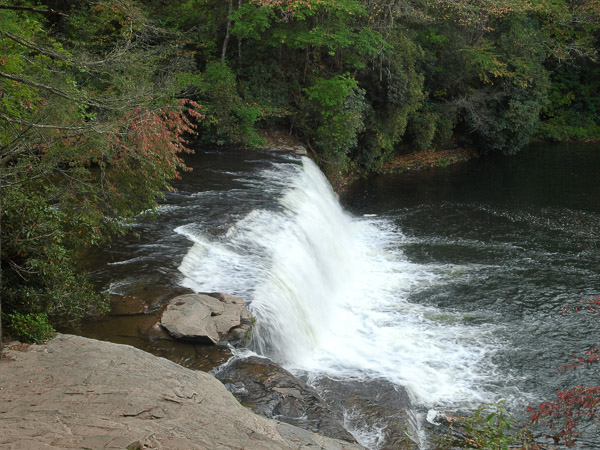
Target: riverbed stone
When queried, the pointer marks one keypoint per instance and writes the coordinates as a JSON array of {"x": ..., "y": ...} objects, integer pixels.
[
  {"x": 272, "y": 391},
  {"x": 208, "y": 318},
  {"x": 74, "y": 392}
]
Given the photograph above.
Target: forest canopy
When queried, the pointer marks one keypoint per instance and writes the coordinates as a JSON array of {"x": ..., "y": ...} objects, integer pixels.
[{"x": 359, "y": 80}]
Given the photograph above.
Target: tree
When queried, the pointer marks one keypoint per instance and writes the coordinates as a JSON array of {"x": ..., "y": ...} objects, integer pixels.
[
  {"x": 338, "y": 118},
  {"x": 82, "y": 150}
]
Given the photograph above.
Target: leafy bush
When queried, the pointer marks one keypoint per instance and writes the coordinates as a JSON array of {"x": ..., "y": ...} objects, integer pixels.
[
  {"x": 444, "y": 128},
  {"x": 573, "y": 110},
  {"x": 29, "y": 327},
  {"x": 567, "y": 126},
  {"x": 490, "y": 426},
  {"x": 83, "y": 153},
  {"x": 229, "y": 120},
  {"x": 423, "y": 127},
  {"x": 337, "y": 105}
]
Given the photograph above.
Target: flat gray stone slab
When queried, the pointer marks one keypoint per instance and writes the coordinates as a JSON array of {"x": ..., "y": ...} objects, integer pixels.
[{"x": 75, "y": 392}]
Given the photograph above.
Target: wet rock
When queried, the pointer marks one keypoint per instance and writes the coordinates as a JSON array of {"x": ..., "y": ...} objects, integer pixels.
[
  {"x": 273, "y": 392},
  {"x": 377, "y": 411},
  {"x": 447, "y": 429},
  {"x": 207, "y": 318},
  {"x": 235, "y": 323}
]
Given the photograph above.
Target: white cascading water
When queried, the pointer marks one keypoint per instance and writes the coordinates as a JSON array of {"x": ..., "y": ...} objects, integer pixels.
[{"x": 329, "y": 292}]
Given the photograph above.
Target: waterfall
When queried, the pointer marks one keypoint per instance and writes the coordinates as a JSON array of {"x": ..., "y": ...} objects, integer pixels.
[
  {"x": 315, "y": 264},
  {"x": 330, "y": 292}
]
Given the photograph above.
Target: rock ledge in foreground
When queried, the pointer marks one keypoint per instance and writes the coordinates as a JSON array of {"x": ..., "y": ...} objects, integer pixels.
[
  {"x": 75, "y": 392},
  {"x": 207, "y": 318}
]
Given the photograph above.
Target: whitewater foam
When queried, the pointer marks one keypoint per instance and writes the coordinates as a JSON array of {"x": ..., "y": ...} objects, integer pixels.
[{"x": 331, "y": 293}]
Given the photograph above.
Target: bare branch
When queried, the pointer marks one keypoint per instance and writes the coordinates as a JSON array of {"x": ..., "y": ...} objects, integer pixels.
[
  {"x": 47, "y": 12},
  {"x": 46, "y": 126},
  {"x": 33, "y": 46},
  {"x": 115, "y": 106}
]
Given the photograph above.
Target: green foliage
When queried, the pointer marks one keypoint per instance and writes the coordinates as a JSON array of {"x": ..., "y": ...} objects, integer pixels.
[
  {"x": 444, "y": 127},
  {"x": 503, "y": 113},
  {"x": 330, "y": 95},
  {"x": 426, "y": 75},
  {"x": 251, "y": 22},
  {"x": 100, "y": 25},
  {"x": 431, "y": 73},
  {"x": 506, "y": 123},
  {"x": 573, "y": 110},
  {"x": 566, "y": 127},
  {"x": 423, "y": 128},
  {"x": 29, "y": 327},
  {"x": 490, "y": 427},
  {"x": 82, "y": 152},
  {"x": 338, "y": 104},
  {"x": 228, "y": 119},
  {"x": 39, "y": 240},
  {"x": 394, "y": 92}
]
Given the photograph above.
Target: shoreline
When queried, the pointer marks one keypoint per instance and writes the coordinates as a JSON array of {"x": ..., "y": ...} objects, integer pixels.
[{"x": 426, "y": 159}]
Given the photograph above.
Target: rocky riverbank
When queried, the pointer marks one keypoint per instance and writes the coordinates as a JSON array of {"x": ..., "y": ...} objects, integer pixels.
[
  {"x": 423, "y": 160},
  {"x": 74, "y": 392}
]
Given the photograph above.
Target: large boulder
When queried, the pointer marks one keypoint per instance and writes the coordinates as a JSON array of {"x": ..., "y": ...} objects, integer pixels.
[
  {"x": 75, "y": 392},
  {"x": 207, "y": 318},
  {"x": 272, "y": 391}
]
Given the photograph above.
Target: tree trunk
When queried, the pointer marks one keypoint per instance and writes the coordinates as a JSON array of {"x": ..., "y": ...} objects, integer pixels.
[
  {"x": 239, "y": 41},
  {"x": 306, "y": 62},
  {"x": 228, "y": 32},
  {"x": 1, "y": 348}
]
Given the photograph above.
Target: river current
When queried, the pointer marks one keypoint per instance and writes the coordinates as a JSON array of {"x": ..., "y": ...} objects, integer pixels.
[{"x": 449, "y": 282}]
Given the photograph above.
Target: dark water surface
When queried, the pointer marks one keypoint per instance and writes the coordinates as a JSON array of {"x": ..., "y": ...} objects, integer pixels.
[
  {"x": 524, "y": 235},
  {"x": 488, "y": 252}
]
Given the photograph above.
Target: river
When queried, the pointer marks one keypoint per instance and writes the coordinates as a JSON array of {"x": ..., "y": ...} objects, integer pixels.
[{"x": 449, "y": 282}]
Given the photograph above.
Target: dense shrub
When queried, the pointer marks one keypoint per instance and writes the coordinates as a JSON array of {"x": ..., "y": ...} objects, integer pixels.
[{"x": 28, "y": 327}]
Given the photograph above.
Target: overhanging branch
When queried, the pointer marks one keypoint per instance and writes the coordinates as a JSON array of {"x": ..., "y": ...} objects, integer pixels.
[{"x": 123, "y": 105}]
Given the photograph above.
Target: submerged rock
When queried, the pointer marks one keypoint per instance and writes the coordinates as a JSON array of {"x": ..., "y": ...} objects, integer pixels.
[
  {"x": 207, "y": 318},
  {"x": 142, "y": 299},
  {"x": 274, "y": 392},
  {"x": 127, "y": 305},
  {"x": 75, "y": 392}
]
